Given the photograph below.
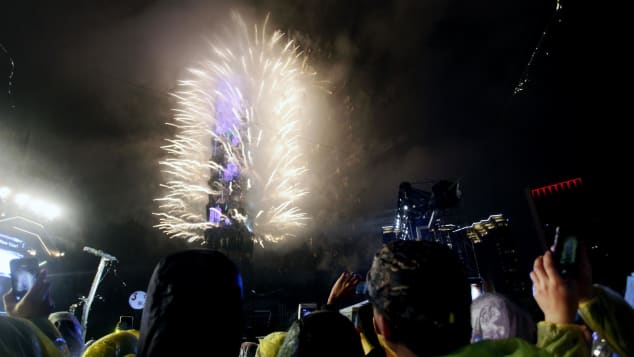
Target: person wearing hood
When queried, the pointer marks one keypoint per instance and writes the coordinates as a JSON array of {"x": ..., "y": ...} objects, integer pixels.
[
  {"x": 494, "y": 316},
  {"x": 194, "y": 306},
  {"x": 71, "y": 330}
]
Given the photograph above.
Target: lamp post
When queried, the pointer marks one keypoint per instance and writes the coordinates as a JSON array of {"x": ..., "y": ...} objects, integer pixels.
[{"x": 104, "y": 259}]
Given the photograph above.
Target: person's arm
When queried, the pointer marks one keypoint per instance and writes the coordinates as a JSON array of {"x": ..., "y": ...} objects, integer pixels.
[
  {"x": 36, "y": 306},
  {"x": 558, "y": 299}
]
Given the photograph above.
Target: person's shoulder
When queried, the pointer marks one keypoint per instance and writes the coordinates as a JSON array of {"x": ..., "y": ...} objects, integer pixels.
[
  {"x": 501, "y": 347},
  {"x": 118, "y": 343}
]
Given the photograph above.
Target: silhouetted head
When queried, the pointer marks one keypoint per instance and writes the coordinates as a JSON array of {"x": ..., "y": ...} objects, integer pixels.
[
  {"x": 194, "y": 303},
  {"x": 322, "y": 333},
  {"x": 421, "y": 293}
]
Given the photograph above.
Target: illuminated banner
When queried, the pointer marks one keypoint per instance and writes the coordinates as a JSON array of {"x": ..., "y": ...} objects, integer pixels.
[{"x": 12, "y": 243}]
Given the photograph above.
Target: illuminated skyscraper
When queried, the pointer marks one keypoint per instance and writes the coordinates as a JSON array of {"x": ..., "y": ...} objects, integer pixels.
[{"x": 497, "y": 259}]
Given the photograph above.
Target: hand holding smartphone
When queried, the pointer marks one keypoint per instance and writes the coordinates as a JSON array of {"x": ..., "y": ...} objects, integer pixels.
[
  {"x": 24, "y": 273},
  {"x": 561, "y": 215},
  {"x": 30, "y": 296}
]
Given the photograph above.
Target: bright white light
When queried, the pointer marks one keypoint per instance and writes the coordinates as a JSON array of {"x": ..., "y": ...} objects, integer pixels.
[
  {"x": 44, "y": 209},
  {"x": 37, "y": 206},
  {"x": 475, "y": 291},
  {"x": 51, "y": 211},
  {"x": 5, "y": 192},
  {"x": 22, "y": 199}
]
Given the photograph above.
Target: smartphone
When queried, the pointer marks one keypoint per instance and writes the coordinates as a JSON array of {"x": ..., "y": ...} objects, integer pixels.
[
  {"x": 566, "y": 251},
  {"x": 305, "y": 309},
  {"x": 23, "y": 275},
  {"x": 125, "y": 323},
  {"x": 562, "y": 218}
]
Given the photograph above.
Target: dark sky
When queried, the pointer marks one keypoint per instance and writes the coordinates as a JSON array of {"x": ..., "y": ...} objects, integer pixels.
[{"x": 422, "y": 91}]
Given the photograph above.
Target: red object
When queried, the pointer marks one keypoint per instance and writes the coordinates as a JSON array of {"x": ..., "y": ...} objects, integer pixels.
[{"x": 556, "y": 188}]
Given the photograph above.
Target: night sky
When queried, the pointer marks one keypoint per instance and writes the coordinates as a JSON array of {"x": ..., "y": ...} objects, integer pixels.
[{"x": 422, "y": 90}]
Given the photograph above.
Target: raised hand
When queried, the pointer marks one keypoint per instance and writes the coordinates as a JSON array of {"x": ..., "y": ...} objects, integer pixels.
[
  {"x": 557, "y": 298},
  {"x": 35, "y": 303},
  {"x": 343, "y": 287}
]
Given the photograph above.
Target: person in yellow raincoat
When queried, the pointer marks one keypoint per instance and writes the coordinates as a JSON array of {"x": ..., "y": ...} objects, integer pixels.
[
  {"x": 604, "y": 311},
  {"x": 269, "y": 345},
  {"x": 120, "y": 343}
]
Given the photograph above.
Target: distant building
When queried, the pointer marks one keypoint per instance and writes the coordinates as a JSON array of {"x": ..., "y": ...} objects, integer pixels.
[
  {"x": 496, "y": 258},
  {"x": 231, "y": 234}
]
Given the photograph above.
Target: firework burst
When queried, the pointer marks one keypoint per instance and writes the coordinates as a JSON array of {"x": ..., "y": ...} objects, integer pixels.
[{"x": 235, "y": 158}]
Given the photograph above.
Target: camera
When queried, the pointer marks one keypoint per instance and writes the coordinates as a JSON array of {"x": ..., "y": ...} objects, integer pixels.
[{"x": 305, "y": 309}]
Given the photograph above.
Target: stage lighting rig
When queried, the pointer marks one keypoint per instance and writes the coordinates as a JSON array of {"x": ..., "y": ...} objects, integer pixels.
[{"x": 418, "y": 210}]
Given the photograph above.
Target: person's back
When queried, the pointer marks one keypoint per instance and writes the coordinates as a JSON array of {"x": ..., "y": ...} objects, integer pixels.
[{"x": 193, "y": 306}]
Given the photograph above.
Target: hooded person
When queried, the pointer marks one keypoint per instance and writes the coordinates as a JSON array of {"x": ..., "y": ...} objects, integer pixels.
[
  {"x": 494, "y": 316},
  {"x": 194, "y": 305},
  {"x": 70, "y": 328}
]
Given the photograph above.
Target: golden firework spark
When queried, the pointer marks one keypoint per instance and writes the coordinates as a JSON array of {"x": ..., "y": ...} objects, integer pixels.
[{"x": 236, "y": 157}]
